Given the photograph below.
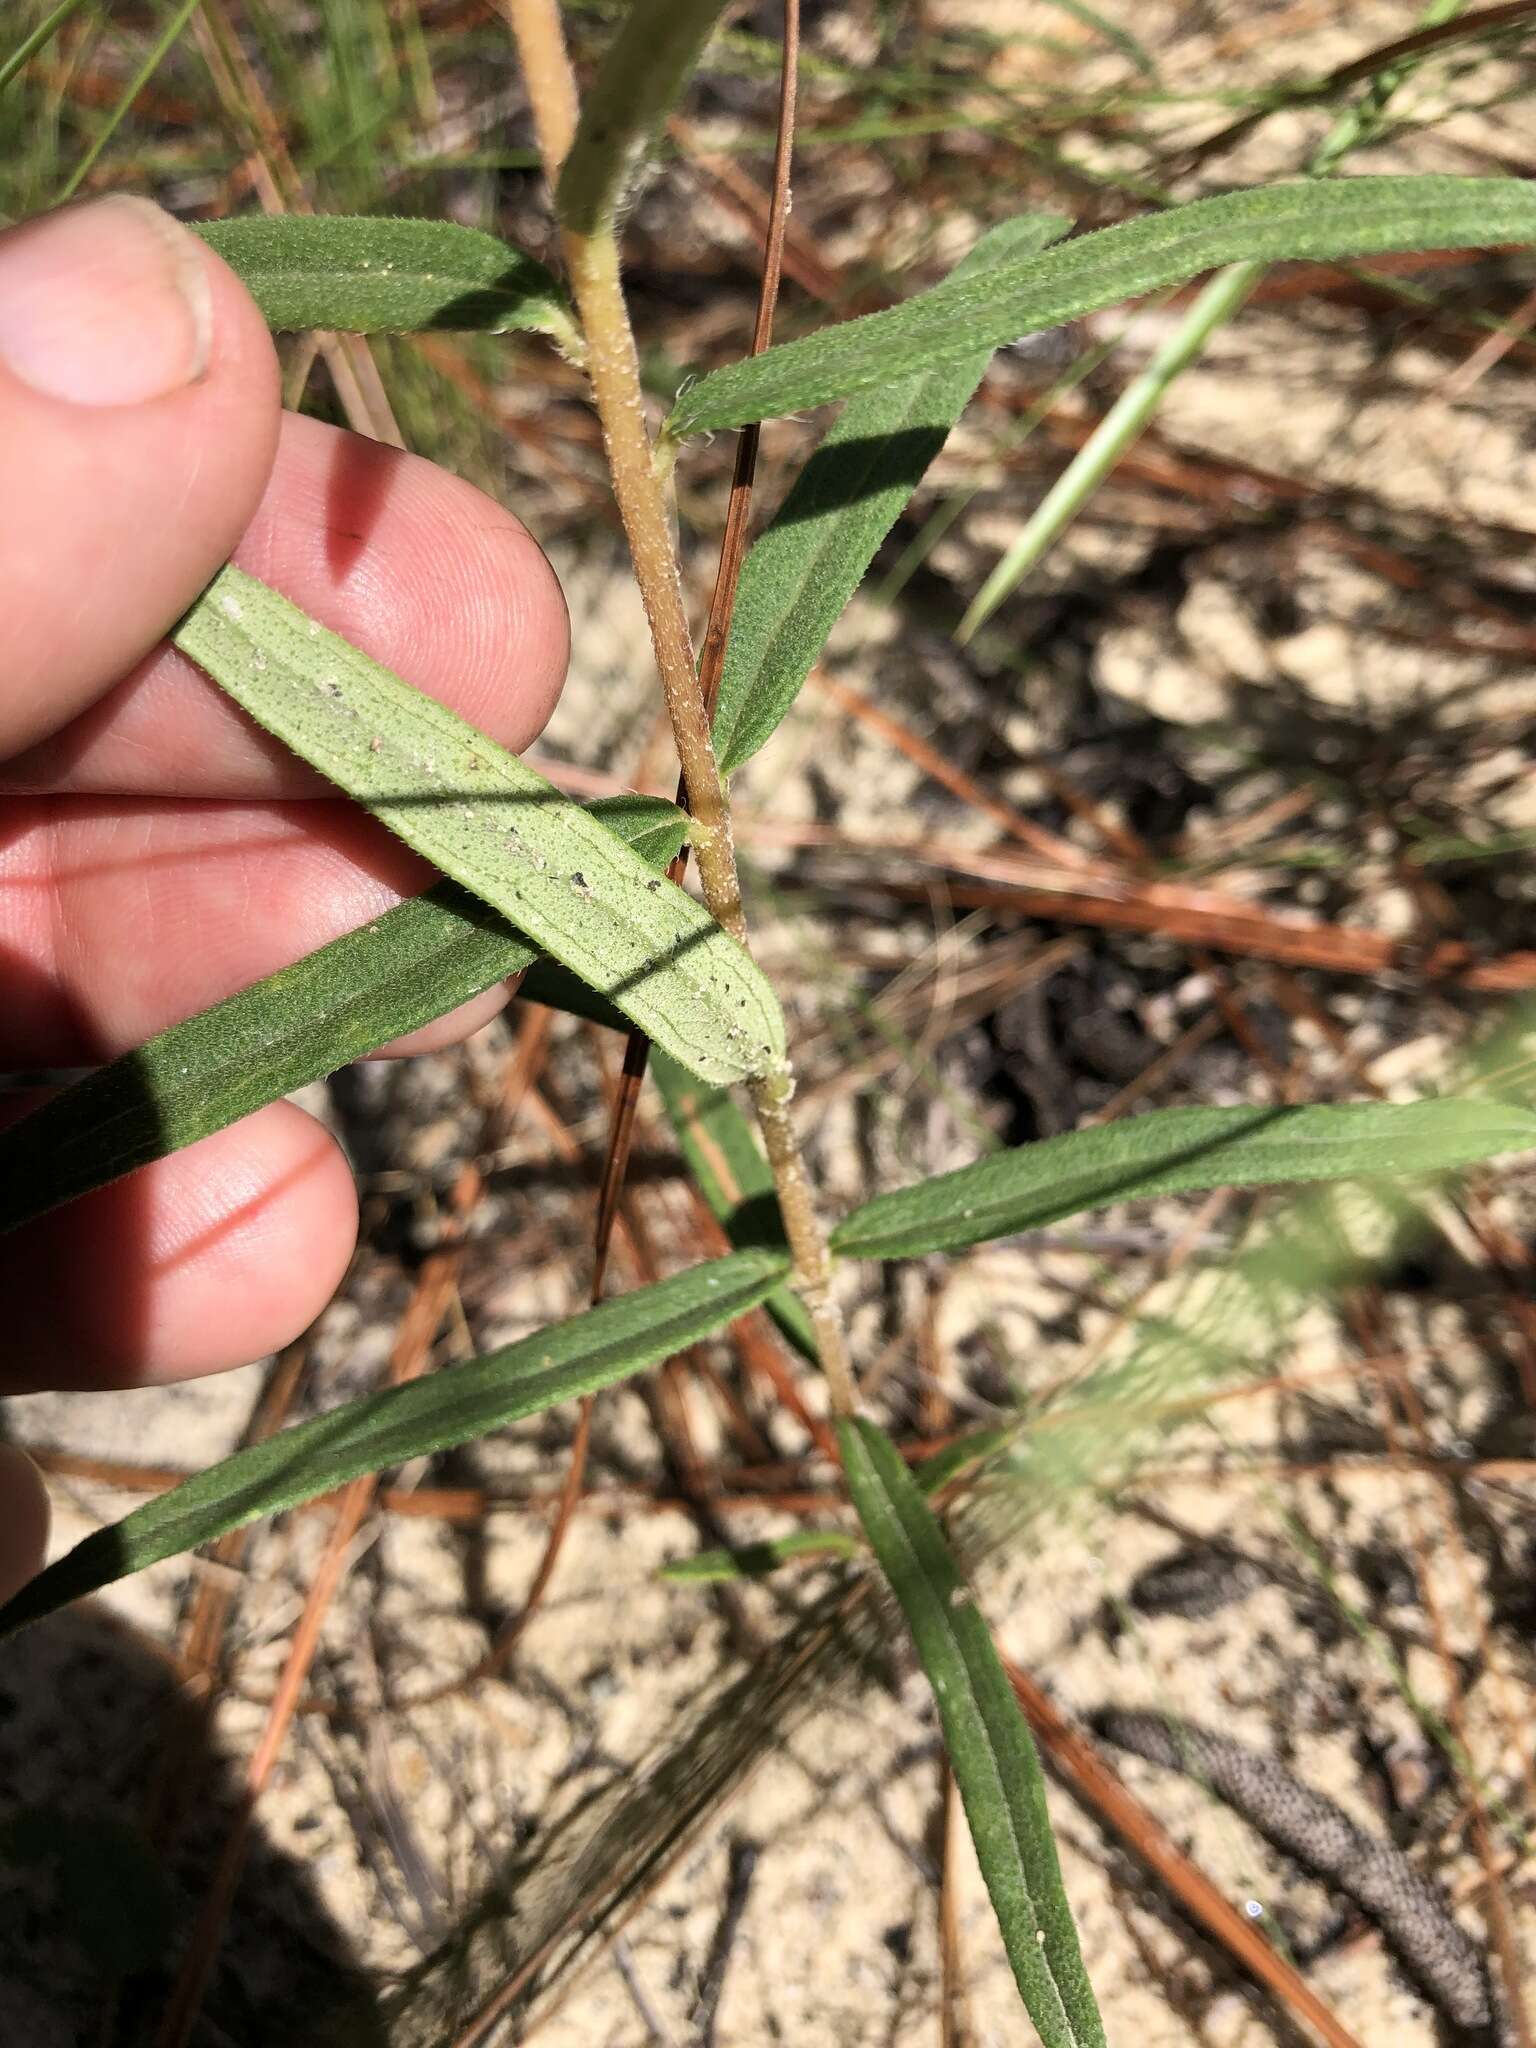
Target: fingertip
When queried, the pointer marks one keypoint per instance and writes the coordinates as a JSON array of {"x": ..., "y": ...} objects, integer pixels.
[
  {"x": 420, "y": 569},
  {"x": 24, "y": 1520},
  {"x": 452, "y": 1028},
  {"x": 212, "y": 1257},
  {"x": 115, "y": 511}
]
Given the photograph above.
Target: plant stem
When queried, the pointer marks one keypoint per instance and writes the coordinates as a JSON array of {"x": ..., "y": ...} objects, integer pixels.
[
  {"x": 592, "y": 263},
  {"x": 535, "y": 26}
]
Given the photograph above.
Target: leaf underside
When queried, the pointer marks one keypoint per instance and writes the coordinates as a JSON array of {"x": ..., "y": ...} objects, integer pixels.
[
  {"x": 360, "y": 275},
  {"x": 493, "y": 825}
]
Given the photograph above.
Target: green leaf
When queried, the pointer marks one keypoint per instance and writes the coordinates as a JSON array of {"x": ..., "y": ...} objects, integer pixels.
[
  {"x": 723, "y": 1155},
  {"x": 340, "y": 1003},
  {"x": 449, "y": 1407},
  {"x": 989, "y": 1746},
  {"x": 1172, "y": 1151},
  {"x": 647, "y": 65},
  {"x": 807, "y": 564},
  {"x": 493, "y": 825},
  {"x": 757, "y": 1560},
  {"x": 360, "y": 275},
  {"x": 1322, "y": 220}
]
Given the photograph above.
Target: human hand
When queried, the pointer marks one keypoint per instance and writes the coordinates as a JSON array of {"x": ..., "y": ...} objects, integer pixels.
[{"x": 157, "y": 851}]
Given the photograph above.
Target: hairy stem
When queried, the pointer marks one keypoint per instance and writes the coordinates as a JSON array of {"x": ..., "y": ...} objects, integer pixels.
[
  {"x": 592, "y": 262},
  {"x": 535, "y": 25}
]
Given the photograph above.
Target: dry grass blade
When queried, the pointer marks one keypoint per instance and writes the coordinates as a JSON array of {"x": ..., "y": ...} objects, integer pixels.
[{"x": 359, "y": 387}]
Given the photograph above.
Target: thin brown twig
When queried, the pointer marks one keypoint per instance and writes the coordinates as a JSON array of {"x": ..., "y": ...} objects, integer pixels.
[{"x": 1491, "y": 350}]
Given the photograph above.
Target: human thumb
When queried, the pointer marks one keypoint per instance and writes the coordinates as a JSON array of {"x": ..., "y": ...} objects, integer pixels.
[{"x": 139, "y": 410}]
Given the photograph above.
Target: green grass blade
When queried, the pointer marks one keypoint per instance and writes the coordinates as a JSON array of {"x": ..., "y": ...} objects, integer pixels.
[
  {"x": 1173, "y": 1151},
  {"x": 990, "y": 1748},
  {"x": 1319, "y": 220},
  {"x": 725, "y": 1159},
  {"x": 1124, "y": 423},
  {"x": 492, "y": 825},
  {"x": 757, "y": 1560},
  {"x": 165, "y": 42},
  {"x": 360, "y": 275},
  {"x": 39, "y": 38},
  {"x": 809, "y": 561},
  {"x": 449, "y": 1407},
  {"x": 337, "y": 1004},
  {"x": 1131, "y": 413},
  {"x": 1112, "y": 32},
  {"x": 646, "y": 67}
]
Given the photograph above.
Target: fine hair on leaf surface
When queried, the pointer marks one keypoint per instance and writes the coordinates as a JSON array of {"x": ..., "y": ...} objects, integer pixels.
[
  {"x": 1174, "y": 1151},
  {"x": 365, "y": 276},
  {"x": 641, "y": 76}
]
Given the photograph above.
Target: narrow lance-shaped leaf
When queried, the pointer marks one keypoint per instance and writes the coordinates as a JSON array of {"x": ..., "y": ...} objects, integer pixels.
[
  {"x": 646, "y": 67},
  {"x": 989, "y": 1746},
  {"x": 1322, "y": 220},
  {"x": 450, "y": 1407},
  {"x": 727, "y": 1163},
  {"x": 806, "y": 565},
  {"x": 1174, "y": 1151},
  {"x": 359, "y": 275},
  {"x": 493, "y": 825},
  {"x": 337, "y": 1004}
]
